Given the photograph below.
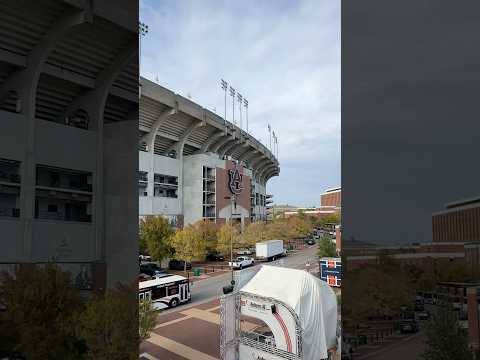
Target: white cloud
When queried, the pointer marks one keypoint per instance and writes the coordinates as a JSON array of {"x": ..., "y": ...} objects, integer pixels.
[{"x": 283, "y": 56}]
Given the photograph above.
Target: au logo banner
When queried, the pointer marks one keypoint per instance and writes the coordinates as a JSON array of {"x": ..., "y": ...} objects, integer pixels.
[{"x": 235, "y": 181}]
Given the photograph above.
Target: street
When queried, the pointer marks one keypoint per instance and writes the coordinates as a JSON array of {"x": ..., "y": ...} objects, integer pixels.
[
  {"x": 402, "y": 347},
  {"x": 192, "y": 331}
]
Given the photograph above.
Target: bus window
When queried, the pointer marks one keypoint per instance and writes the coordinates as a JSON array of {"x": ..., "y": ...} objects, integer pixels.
[
  {"x": 159, "y": 293},
  {"x": 173, "y": 290}
]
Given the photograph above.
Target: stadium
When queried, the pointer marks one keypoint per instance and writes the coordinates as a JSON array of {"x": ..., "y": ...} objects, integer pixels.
[{"x": 194, "y": 165}]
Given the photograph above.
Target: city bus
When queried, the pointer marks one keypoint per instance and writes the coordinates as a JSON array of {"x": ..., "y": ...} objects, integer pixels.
[{"x": 165, "y": 292}]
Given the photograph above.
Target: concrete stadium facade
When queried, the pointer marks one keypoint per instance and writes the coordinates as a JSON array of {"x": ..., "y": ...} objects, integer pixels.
[
  {"x": 68, "y": 122},
  {"x": 189, "y": 158}
]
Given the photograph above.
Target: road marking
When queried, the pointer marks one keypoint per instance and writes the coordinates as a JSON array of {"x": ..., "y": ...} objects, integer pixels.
[
  {"x": 172, "y": 322},
  {"x": 148, "y": 356},
  {"x": 213, "y": 308},
  {"x": 202, "y": 315},
  {"x": 179, "y": 349}
]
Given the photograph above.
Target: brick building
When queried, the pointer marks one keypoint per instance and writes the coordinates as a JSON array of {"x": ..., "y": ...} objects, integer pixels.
[{"x": 460, "y": 221}]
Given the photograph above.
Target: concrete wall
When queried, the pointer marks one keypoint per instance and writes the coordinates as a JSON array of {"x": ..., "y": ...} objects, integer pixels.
[
  {"x": 193, "y": 184},
  {"x": 154, "y": 205},
  {"x": 121, "y": 201}
]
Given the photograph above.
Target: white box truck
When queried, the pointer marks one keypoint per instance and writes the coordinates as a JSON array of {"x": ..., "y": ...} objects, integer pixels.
[{"x": 270, "y": 250}]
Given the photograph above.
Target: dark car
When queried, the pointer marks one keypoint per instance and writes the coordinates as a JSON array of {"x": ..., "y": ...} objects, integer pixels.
[
  {"x": 408, "y": 327},
  {"x": 215, "y": 257},
  {"x": 178, "y": 265},
  {"x": 149, "y": 269}
]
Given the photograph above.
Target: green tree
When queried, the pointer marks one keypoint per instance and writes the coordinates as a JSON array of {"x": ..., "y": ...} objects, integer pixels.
[
  {"x": 109, "y": 324},
  {"x": 445, "y": 338},
  {"x": 42, "y": 308},
  {"x": 189, "y": 244},
  {"x": 326, "y": 247},
  {"x": 155, "y": 237},
  {"x": 147, "y": 318}
]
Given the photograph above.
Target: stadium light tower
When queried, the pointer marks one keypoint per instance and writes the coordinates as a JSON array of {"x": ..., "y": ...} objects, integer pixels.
[
  {"x": 232, "y": 94},
  {"x": 224, "y": 86},
  {"x": 142, "y": 31},
  {"x": 240, "y": 98},
  {"x": 270, "y": 135},
  {"x": 245, "y": 103}
]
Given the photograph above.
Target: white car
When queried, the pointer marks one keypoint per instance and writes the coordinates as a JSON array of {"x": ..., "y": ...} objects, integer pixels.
[{"x": 241, "y": 262}]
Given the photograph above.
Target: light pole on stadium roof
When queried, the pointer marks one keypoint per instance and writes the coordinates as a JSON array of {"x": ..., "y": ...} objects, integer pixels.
[
  {"x": 245, "y": 103},
  {"x": 232, "y": 94},
  {"x": 240, "y": 98},
  {"x": 224, "y": 86},
  {"x": 142, "y": 31}
]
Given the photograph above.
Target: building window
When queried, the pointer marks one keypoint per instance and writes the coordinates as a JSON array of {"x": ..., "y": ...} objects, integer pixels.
[
  {"x": 9, "y": 188},
  {"x": 165, "y": 186},
  {"x": 63, "y": 194}
]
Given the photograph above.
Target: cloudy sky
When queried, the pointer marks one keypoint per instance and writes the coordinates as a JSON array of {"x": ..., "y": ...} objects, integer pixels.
[{"x": 283, "y": 56}]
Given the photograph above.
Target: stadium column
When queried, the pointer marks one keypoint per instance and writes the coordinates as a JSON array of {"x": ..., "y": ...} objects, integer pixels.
[
  {"x": 149, "y": 139},
  {"x": 179, "y": 150},
  {"x": 93, "y": 102},
  {"x": 25, "y": 82}
]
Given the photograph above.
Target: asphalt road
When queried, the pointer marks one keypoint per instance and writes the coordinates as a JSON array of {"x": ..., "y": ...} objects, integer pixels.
[
  {"x": 408, "y": 348},
  {"x": 211, "y": 288}
]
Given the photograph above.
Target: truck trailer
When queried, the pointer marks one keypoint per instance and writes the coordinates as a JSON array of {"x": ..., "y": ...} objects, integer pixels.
[{"x": 269, "y": 250}]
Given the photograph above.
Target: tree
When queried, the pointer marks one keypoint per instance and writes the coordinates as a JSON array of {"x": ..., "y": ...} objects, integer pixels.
[
  {"x": 110, "y": 324},
  {"x": 42, "y": 308},
  {"x": 253, "y": 233},
  {"x": 189, "y": 244},
  {"x": 207, "y": 230},
  {"x": 326, "y": 247},
  {"x": 155, "y": 236},
  {"x": 147, "y": 318},
  {"x": 227, "y": 234},
  {"x": 445, "y": 338}
]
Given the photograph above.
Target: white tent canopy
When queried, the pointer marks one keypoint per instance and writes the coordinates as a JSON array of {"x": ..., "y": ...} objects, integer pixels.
[{"x": 313, "y": 301}]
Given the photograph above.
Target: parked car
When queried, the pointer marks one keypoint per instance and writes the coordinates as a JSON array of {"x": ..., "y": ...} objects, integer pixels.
[
  {"x": 311, "y": 242},
  {"x": 409, "y": 326},
  {"x": 143, "y": 277},
  {"x": 215, "y": 257},
  {"x": 144, "y": 257},
  {"x": 248, "y": 251},
  {"x": 423, "y": 315},
  {"x": 149, "y": 269},
  {"x": 241, "y": 262},
  {"x": 178, "y": 265}
]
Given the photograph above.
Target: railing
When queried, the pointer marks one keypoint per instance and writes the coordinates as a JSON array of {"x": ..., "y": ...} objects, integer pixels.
[
  {"x": 50, "y": 215},
  {"x": 9, "y": 177},
  {"x": 9, "y": 212}
]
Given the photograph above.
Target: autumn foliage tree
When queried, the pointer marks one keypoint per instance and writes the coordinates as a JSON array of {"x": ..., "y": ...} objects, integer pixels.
[
  {"x": 156, "y": 234},
  {"x": 41, "y": 312},
  {"x": 109, "y": 324},
  {"x": 207, "y": 231},
  {"x": 227, "y": 234},
  {"x": 189, "y": 244}
]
